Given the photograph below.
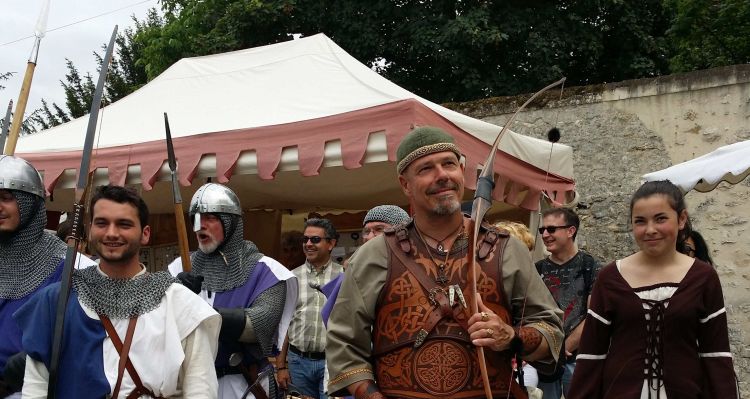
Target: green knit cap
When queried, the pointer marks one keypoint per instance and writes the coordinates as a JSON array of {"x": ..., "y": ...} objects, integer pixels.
[{"x": 423, "y": 141}]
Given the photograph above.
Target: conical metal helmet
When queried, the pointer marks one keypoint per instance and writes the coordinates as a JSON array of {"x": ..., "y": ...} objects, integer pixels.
[
  {"x": 213, "y": 198},
  {"x": 17, "y": 174}
]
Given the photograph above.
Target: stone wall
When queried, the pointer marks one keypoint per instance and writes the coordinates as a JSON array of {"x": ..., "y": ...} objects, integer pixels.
[{"x": 623, "y": 130}]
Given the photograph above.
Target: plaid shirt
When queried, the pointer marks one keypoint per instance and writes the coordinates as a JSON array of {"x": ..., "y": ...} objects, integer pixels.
[{"x": 307, "y": 332}]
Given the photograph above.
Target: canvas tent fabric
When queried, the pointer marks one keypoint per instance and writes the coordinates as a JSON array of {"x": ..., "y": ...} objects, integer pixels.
[
  {"x": 730, "y": 163},
  {"x": 305, "y": 106}
]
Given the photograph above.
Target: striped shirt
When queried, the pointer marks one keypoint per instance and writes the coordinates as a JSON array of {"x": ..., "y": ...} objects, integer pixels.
[{"x": 307, "y": 332}]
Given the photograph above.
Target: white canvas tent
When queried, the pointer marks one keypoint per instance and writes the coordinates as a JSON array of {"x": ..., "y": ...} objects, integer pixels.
[
  {"x": 730, "y": 163},
  {"x": 295, "y": 125}
]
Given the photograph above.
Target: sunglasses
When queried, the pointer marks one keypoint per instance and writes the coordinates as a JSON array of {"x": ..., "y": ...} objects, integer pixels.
[
  {"x": 314, "y": 239},
  {"x": 553, "y": 229}
]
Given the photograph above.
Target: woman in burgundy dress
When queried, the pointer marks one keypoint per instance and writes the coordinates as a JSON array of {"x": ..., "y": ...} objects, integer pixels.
[{"x": 656, "y": 325}]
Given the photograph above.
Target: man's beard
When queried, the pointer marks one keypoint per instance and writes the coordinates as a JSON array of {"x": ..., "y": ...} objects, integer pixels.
[
  {"x": 129, "y": 253},
  {"x": 447, "y": 208},
  {"x": 209, "y": 247}
]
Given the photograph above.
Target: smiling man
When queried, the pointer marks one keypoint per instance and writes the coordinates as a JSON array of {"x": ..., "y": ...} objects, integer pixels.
[
  {"x": 254, "y": 293},
  {"x": 401, "y": 317},
  {"x": 117, "y": 310},
  {"x": 30, "y": 258},
  {"x": 569, "y": 274},
  {"x": 302, "y": 360}
]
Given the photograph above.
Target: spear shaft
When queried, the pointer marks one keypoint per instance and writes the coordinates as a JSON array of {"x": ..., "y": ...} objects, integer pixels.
[
  {"x": 179, "y": 215},
  {"x": 23, "y": 96},
  {"x": 78, "y": 214},
  {"x": 6, "y": 125}
]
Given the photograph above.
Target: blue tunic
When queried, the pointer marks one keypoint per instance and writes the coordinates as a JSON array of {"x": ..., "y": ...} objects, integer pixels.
[
  {"x": 81, "y": 366},
  {"x": 10, "y": 334}
]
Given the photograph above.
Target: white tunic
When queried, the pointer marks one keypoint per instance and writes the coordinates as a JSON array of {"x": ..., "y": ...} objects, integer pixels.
[{"x": 173, "y": 350}]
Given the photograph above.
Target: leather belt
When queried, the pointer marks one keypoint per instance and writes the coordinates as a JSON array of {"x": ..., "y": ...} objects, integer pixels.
[
  {"x": 222, "y": 371},
  {"x": 308, "y": 355}
]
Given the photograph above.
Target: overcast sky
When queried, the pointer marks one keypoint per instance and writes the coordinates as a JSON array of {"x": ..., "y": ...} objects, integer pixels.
[{"x": 77, "y": 42}]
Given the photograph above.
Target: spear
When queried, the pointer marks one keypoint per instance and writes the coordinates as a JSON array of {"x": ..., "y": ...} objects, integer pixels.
[
  {"x": 179, "y": 216},
  {"x": 77, "y": 221},
  {"x": 23, "y": 96},
  {"x": 6, "y": 125}
]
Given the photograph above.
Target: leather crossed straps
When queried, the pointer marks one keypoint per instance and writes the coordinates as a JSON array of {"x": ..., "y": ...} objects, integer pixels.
[
  {"x": 438, "y": 296},
  {"x": 125, "y": 363}
]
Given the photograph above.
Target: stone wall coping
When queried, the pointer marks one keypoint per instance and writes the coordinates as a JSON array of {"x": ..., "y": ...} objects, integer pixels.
[{"x": 605, "y": 92}]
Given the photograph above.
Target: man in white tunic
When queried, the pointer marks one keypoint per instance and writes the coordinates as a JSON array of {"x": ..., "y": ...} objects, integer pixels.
[{"x": 166, "y": 334}]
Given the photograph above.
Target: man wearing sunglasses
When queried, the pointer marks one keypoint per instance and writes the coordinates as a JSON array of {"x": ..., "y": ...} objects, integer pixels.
[
  {"x": 569, "y": 273},
  {"x": 402, "y": 315},
  {"x": 302, "y": 360},
  {"x": 253, "y": 293}
]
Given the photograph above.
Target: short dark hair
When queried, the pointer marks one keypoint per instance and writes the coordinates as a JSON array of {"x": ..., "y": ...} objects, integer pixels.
[
  {"x": 570, "y": 216},
  {"x": 65, "y": 229},
  {"x": 674, "y": 196},
  {"x": 324, "y": 224},
  {"x": 121, "y": 195}
]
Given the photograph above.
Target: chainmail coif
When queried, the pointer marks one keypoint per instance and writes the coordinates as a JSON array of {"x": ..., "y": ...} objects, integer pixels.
[
  {"x": 231, "y": 263},
  {"x": 120, "y": 298},
  {"x": 29, "y": 255}
]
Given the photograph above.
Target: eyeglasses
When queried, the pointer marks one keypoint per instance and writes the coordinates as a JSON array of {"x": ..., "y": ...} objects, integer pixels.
[
  {"x": 553, "y": 229},
  {"x": 377, "y": 230},
  {"x": 314, "y": 239}
]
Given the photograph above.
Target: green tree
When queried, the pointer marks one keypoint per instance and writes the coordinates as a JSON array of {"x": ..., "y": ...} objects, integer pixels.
[
  {"x": 708, "y": 33},
  {"x": 4, "y": 76},
  {"x": 44, "y": 118},
  {"x": 27, "y": 126},
  {"x": 440, "y": 49},
  {"x": 125, "y": 75}
]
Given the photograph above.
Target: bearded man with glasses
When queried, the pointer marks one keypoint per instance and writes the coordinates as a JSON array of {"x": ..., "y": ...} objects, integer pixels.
[
  {"x": 569, "y": 273},
  {"x": 306, "y": 339}
]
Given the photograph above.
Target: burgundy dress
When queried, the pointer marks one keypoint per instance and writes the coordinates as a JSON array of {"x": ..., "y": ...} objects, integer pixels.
[{"x": 675, "y": 344}]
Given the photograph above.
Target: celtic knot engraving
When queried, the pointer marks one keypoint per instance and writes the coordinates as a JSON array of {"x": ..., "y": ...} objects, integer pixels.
[{"x": 442, "y": 367}]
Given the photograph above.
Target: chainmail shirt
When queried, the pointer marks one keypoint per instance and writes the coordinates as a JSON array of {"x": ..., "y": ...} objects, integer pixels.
[
  {"x": 120, "y": 298},
  {"x": 231, "y": 263},
  {"x": 265, "y": 315},
  {"x": 29, "y": 255}
]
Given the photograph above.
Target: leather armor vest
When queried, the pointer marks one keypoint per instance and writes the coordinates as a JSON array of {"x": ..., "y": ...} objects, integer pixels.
[{"x": 421, "y": 346}]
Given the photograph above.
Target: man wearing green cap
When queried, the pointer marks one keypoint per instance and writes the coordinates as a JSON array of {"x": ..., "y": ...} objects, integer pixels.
[{"x": 401, "y": 326}]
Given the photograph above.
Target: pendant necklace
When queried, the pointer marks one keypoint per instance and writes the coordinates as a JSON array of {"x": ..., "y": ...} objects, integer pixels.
[
  {"x": 442, "y": 277},
  {"x": 440, "y": 247}
]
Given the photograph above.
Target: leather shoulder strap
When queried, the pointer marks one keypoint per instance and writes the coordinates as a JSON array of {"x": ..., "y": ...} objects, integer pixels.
[
  {"x": 396, "y": 240},
  {"x": 435, "y": 293},
  {"x": 123, "y": 349},
  {"x": 401, "y": 234},
  {"x": 491, "y": 236}
]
